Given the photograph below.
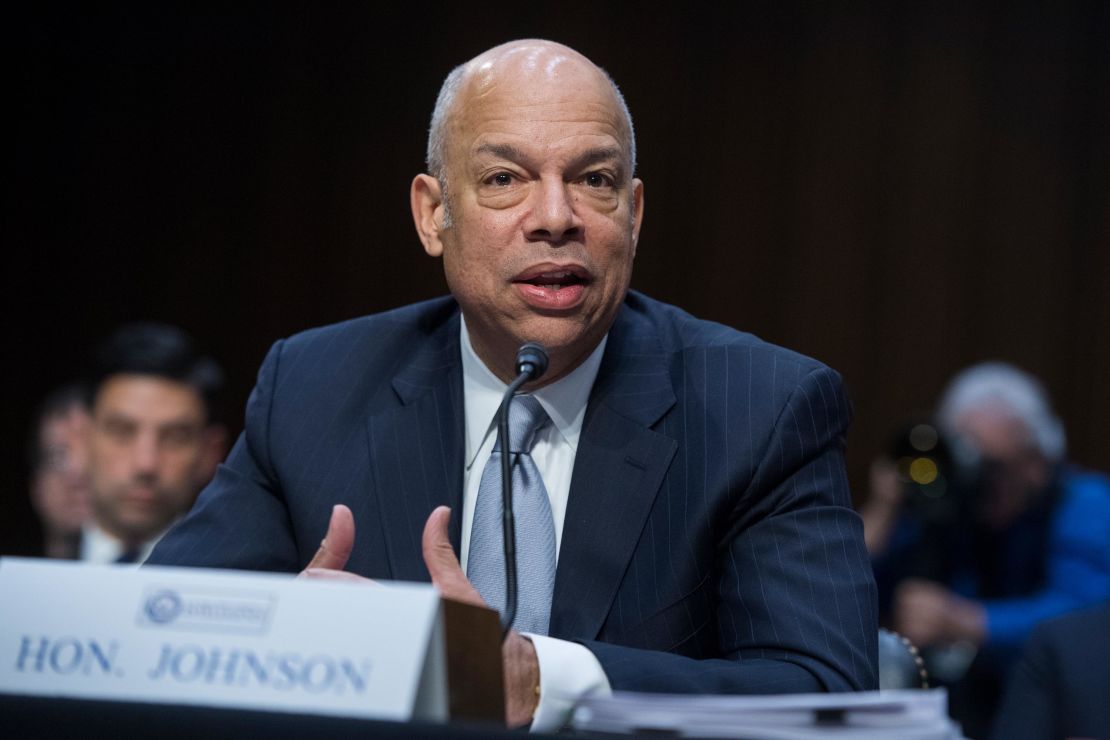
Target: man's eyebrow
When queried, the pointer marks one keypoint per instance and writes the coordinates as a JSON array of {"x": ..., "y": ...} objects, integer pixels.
[
  {"x": 185, "y": 423},
  {"x": 595, "y": 156},
  {"x": 586, "y": 159},
  {"x": 502, "y": 151}
]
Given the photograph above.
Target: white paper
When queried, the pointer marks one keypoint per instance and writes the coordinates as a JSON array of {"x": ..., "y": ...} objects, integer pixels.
[{"x": 898, "y": 715}]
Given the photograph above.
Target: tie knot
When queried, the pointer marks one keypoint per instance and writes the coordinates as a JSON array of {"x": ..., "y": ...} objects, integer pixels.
[{"x": 526, "y": 417}]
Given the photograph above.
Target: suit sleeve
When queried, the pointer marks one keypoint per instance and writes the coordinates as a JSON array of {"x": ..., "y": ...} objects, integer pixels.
[
  {"x": 240, "y": 520},
  {"x": 796, "y": 603}
]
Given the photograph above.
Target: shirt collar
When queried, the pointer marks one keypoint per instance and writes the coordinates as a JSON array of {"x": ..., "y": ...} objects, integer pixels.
[
  {"x": 564, "y": 400},
  {"x": 97, "y": 546}
]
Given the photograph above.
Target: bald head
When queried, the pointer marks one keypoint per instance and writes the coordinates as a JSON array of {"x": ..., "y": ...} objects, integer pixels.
[
  {"x": 530, "y": 161},
  {"x": 533, "y": 67}
]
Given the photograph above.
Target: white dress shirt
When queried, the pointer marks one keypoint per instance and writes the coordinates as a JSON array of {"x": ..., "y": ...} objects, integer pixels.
[
  {"x": 99, "y": 547},
  {"x": 567, "y": 670}
]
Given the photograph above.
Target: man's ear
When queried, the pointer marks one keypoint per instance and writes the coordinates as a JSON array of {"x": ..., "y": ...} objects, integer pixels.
[
  {"x": 213, "y": 450},
  {"x": 637, "y": 211},
  {"x": 426, "y": 199}
]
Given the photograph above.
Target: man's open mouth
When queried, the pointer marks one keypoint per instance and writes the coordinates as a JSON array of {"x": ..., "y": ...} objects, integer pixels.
[{"x": 554, "y": 279}]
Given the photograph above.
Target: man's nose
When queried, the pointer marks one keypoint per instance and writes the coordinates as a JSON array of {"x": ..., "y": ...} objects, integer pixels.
[
  {"x": 553, "y": 217},
  {"x": 144, "y": 454},
  {"x": 76, "y": 461}
]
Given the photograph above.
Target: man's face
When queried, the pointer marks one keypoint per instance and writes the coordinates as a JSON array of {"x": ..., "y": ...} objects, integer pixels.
[
  {"x": 61, "y": 483},
  {"x": 149, "y": 454},
  {"x": 1015, "y": 470},
  {"x": 544, "y": 211}
]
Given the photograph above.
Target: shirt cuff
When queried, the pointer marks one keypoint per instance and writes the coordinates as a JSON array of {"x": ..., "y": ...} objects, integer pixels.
[{"x": 568, "y": 671}]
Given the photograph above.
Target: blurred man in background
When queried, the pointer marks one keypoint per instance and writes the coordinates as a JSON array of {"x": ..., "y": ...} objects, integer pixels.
[
  {"x": 982, "y": 531},
  {"x": 153, "y": 441},
  {"x": 59, "y": 472}
]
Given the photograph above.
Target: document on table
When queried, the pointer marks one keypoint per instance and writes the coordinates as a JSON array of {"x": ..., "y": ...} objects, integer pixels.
[{"x": 874, "y": 715}]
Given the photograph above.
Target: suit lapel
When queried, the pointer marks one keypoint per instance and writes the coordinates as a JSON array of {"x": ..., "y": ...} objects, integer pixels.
[
  {"x": 618, "y": 470},
  {"x": 416, "y": 449}
]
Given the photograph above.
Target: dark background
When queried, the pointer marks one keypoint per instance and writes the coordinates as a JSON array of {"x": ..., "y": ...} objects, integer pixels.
[{"x": 898, "y": 190}]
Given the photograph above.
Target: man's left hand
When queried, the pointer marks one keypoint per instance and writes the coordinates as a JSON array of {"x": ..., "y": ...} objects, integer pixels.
[
  {"x": 928, "y": 614},
  {"x": 518, "y": 655}
]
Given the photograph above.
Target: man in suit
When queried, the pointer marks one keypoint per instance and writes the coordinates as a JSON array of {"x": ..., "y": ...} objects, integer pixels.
[
  {"x": 702, "y": 525},
  {"x": 153, "y": 439}
]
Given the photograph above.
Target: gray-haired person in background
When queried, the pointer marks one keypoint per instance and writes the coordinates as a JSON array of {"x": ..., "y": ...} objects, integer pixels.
[{"x": 1001, "y": 534}]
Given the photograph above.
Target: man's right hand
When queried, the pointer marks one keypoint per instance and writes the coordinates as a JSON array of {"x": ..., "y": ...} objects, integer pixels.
[
  {"x": 335, "y": 549},
  {"x": 518, "y": 654}
]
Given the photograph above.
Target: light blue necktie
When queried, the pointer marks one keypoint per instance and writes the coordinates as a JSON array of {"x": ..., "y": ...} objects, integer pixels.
[{"x": 535, "y": 528}]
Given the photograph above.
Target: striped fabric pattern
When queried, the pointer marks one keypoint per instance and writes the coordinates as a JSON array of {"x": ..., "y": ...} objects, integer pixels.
[{"x": 709, "y": 543}]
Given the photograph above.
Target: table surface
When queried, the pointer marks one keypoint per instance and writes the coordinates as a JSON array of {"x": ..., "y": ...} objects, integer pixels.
[{"x": 38, "y": 717}]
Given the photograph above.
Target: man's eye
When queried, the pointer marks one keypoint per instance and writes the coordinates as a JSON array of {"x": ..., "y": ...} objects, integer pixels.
[
  {"x": 502, "y": 179},
  {"x": 597, "y": 180},
  {"x": 118, "y": 430}
]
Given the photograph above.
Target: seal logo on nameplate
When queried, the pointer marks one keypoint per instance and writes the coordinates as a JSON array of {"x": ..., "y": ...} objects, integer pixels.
[
  {"x": 162, "y": 607},
  {"x": 206, "y": 610}
]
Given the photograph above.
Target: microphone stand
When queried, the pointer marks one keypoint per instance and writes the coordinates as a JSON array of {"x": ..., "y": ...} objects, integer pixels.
[{"x": 531, "y": 363}]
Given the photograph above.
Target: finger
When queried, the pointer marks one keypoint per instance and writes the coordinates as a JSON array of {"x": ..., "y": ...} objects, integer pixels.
[
  {"x": 442, "y": 564},
  {"x": 326, "y": 574},
  {"x": 338, "y": 542}
]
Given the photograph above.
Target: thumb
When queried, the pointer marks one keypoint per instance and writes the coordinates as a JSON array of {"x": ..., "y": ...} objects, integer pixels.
[
  {"x": 338, "y": 542},
  {"x": 443, "y": 566}
]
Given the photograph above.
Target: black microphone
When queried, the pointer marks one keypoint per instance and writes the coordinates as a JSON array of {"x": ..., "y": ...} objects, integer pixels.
[
  {"x": 531, "y": 358},
  {"x": 531, "y": 363}
]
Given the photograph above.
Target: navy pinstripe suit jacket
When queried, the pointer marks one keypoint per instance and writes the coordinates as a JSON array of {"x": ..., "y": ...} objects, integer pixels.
[{"x": 709, "y": 543}]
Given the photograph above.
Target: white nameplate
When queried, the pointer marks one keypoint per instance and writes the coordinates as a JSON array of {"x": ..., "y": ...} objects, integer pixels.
[{"x": 221, "y": 638}]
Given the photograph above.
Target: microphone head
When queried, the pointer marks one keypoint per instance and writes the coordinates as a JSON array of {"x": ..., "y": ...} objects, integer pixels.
[{"x": 531, "y": 358}]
